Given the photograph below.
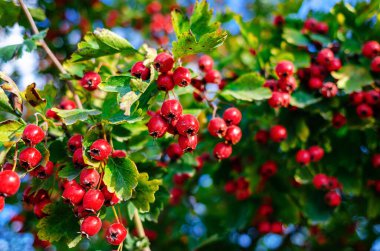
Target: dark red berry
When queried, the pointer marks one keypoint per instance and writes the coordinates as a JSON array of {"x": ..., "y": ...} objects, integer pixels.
[
  {"x": 317, "y": 71},
  {"x": 116, "y": 234},
  {"x": 165, "y": 82},
  {"x": 175, "y": 195},
  {"x": 325, "y": 57},
  {"x": 375, "y": 64},
  {"x": 268, "y": 169},
  {"x": 7, "y": 166},
  {"x": 213, "y": 76},
  {"x": 180, "y": 178},
  {"x": 329, "y": 90},
  {"x": 371, "y": 49},
  {"x": 73, "y": 193},
  {"x": 33, "y": 134},
  {"x": 10, "y": 183},
  {"x": 372, "y": 97},
  {"x": 222, "y": 151},
  {"x": 198, "y": 84},
  {"x": 109, "y": 198},
  {"x": 316, "y": 153},
  {"x": 278, "y": 20},
  {"x": 271, "y": 84},
  {"x": 264, "y": 227},
  {"x": 139, "y": 70},
  {"x": 29, "y": 157},
  {"x": 217, "y": 127},
  {"x": 153, "y": 7},
  {"x": 118, "y": 154},
  {"x": 163, "y": 62},
  {"x": 232, "y": 116},
  {"x": 67, "y": 104},
  {"x": 278, "y": 133},
  {"x": 187, "y": 125},
  {"x": 375, "y": 160},
  {"x": 80, "y": 212},
  {"x": 100, "y": 149},
  {"x": 276, "y": 100},
  {"x": 93, "y": 200},
  {"x": 322, "y": 28},
  {"x": 75, "y": 142},
  {"x": 310, "y": 24},
  {"x": 303, "y": 157},
  {"x": 262, "y": 136},
  {"x": 188, "y": 143},
  {"x": 339, "y": 120},
  {"x": 38, "y": 208},
  {"x": 321, "y": 181},
  {"x": 182, "y": 76},
  {"x": 265, "y": 210},
  {"x": 43, "y": 172},
  {"x": 333, "y": 199},
  {"x": 205, "y": 63},
  {"x": 233, "y": 134},
  {"x": 174, "y": 151},
  {"x": 288, "y": 84},
  {"x": 171, "y": 109},
  {"x": 356, "y": 98},
  {"x": 78, "y": 159},
  {"x": 315, "y": 83},
  {"x": 89, "y": 178},
  {"x": 90, "y": 226},
  {"x": 335, "y": 65},
  {"x": 364, "y": 111},
  {"x": 52, "y": 114},
  {"x": 230, "y": 186},
  {"x": 242, "y": 194},
  {"x": 157, "y": 126},
  {"x": 284, "y": 69},
  {"x": 90, "y": 81}
]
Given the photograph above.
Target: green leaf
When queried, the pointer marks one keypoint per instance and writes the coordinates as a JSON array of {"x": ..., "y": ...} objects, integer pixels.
[
  {"x": 373, "y": 207},
  {"x": 120, "y": 176},
  {"x": 162, "y": 196},
  {"x": 69, "y": 171},
  {"x": 10, "y": 130},
  {"x": 302, "y": 130},
  {"x": 315, "y": 207},
  {"x": 4, "y": 102},
  {"x": 72, "y": 116},
  {"x": 295, "y": 37},
  {"x": 60, "y": 224},
  {"x": 119, "y": 84},
  {"x": 144, "y": 192},
  {"x": 352, "y": 78},
  {"x": 303, "y": 99},
  {"x": 102, "y": 42},
  {"x": 10, "y": 13}
]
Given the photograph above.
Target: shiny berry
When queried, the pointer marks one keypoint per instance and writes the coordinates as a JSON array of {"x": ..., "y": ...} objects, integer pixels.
[
  {"x": 205, "y": 63},
  {"x": 277, "y": 228},
  {"x": 329, "y": 90},
  {"x": 75, "y": 142},
  {"x": 316, "y": 153},
  {"x": 276, "y": 100},
  {"x": 67, "y": 104},
  {"x": 187, "y": 125},
  {"x": 73, "y": 193},
  {"x": 217, "y": 127},
  {"x": 233, "y": 134},
  {"x": 264, "y": 227},
  {"x": 268, "y": 169},
  {"x": 109, "y": 198},
  {"x": 222, "y": 151},
  {"x": 165, "y": 82},
  {"x": 89, "y": 178},
  {"x": 174, "y": 151},
  {"x": 33, "y": 134},
  {"x": 325, "y": 57},
  {"x": 278, "y": 133},
  {"x": 356, "y": 98},
  {"x": 288, "y": 84},
  {"x": 339, "y": 120},
  {"x": 322, "y": 28},
  {"x": 371, "y": 49},
  {"x": 78, "y": 159},
  {"x": 335, "y": 65},
  {"x": 375, "y": 160},
  {"x": 284, "y": 69},
  {"x": 198, "y": 84},
  {"x": 321, "y": 181},
  {"x": 157, "y": 126},
  {"x": 372, "y": 97},
  {"x": 10, "y": 183},
  {"x": 232, "y": 116},
  {"x": 213, "y": 76},
  {"x": 29, "y": 158},
  {"x": 333, "y": 199},
  {"x": 90, "y": 81},
  {"x": 116, "y": 234},
  {"x": 90, "y": 226},
  {"x": 43, "y": 172},
  {"x": 375, "y": 64},
  {"x": 139, "y": 70},
  {"x": 315, "y": 83},
  {"x": 52, "y": 114},
  {"x": 262, "y": 136},
  {"x": 100, "y": 149},
  {"x": 188, "y": 143},
  {"x": 93, "y": 200},
  {"x": 182, "y": 76},
  {"x": 163, "y": 62},
  {"x": 303, "y": 157},
  {"x": 364, "y": 111},
  {"x": 171, "y": 109}
]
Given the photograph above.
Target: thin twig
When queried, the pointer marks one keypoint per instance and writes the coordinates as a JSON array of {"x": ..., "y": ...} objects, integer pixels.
[
  {"x": 139, "y": 227},
  {"x": 50, "y": 53}
]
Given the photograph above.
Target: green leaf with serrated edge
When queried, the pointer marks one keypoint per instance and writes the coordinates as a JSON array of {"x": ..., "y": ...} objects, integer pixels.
[
  {"x": 119, "y": 84},
  {"x": 145, "y": 99},
  {"x": 352, "y": 78},
  {"x": 200, "y": 20},
  {"x": 303, "y": 99},
  {"x": 102, "y": 42},
  {"x": 69, "y": 171},
  {"x": 60, "y": 224},
  {"x": 144, "y": 192},
  {"x": 10, "y": 130},
  {"x": 295, "y": 37},
  {"x": 72, "y": 116},
  {"x": 162, "y": 196},
  {"x": 120, "y": 176},
  {"x": 4, "y": 102}
]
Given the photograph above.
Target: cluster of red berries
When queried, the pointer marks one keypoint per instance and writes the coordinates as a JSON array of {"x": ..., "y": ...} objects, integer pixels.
[
  {"x": 313, "y": 26},
  {"x": 239, "y": 187},
  {"x": 366, "y": 102},
  {"x": 264, "y": 224},
  {"x": 277, "y": 134},
  {"x": 284, "y": 86},
  {"x": 371, "y": 50},
  {"x": 66, "y": 104},
  {"x": 160, "y": 24},
  {"x": 228, "y": 129},
  {"x": 323, "y": 182},
  {"x": 313, "y": 154}
]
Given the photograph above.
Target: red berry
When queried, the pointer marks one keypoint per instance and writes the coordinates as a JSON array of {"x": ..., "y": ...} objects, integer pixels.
[
  {"x": 276, "y": 100},
  {"x": 375, "y": 64},
  {"x": 371, "y": 49},
  {"x": 278, "y": 133},
  {"x": 333, "y": 199},
  {"x": 242, "y": 183},
  {"x": 10, "y": 183},
  {"x": 230, "y": 186},
  {"x": 174, "y": 151},
  {"x": 182, "y": 76},
  {"x": 339, "y": 120},
  {"x": 264, "y": 227},
  {"x": 335, "y": 65},
  {"x": 315, "y": 83},
  {"x": 232, "y": 116},
  {"x": 217, "y": 127},
  {"x": 310, "y": 24},
  {"x": 357, "y": 98},
  {"x": 180, "y": 178},
  {"x": 33, "y": 134},
  {"x": 2, "y": 203},
  {"x": 109, "y": 198},
  {"x": 188, "y": 143},
  {"x": 90, "y": 226},
  {"x": 116, "y": 234},
  {"x": 80, "y": 212},
  {"x": 75, "y": 142},
  {"x": 321, "y": 181},
  {"x": 325, "y": 57},
  {"x": 7, "y": 166},
  {"x": 271, "y": 84},
  {"x": 376, "y": 160},
  {"x": 222, "y": 151},
  {"x": 334, "y": 183},
  {"x": 73, "y": 193},
  {"x": 288, "y": 84},
  {"x": 364, "y": 111},
  {"x": 163, "y": 62},
  {"x": 43, "y": 172},
  {"x": 329, "y": 90},
  {"x": 93, "y": 200},
  {"x": 233, "y": 134},
  {"x": 198, "y": 84},
  {"x": 303, "y": 157},
  {"x": 100, "y": 149},
  {"x": 205, "y": 63},
  {"x": 67, "y": 105},
  {"x": 278, "y": 20},
  {"x": 262, "y": 136},
  {"x": 165, "y": 82},
  {"x": 139, "y": 70},
  {"x": 187, "y": 125},
  {"x": 36, "y": 197},
  {"x": 268, "y": 169},
  {"x": 242, "y": 194},
  {"x": 175, "y": 195},
  {"x": 52, "y": 114},
  {"x": 277, "y": 228},
  {"x": 213, "y": 76},
  {"x": 171, "y": 109},
  {"x": 118, "y": 154},
  {"x": 317, "y": 71},
  {"x": 316, "y": 153},
  {"x": 322, "y": 28},
  {"x": 89, "y": 178},
  {"x": 29, "y": 158},
  {"x": 90, "y": 81},
  {"x": 78, "y": 159},
  {"x": 153, "y": 7},
  {"x": 39, "y": 207},
  {"x": 265, "y": 210},
  {"x": 157, "y": 126},
  {"x": 372, "y": 97},
  {"x": 284, "y": 69}
]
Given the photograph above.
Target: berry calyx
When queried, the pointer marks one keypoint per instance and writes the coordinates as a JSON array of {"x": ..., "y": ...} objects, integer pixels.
[
  {"x": 10, "y": 183},
  {"x": 205, "y": 63},
  {"x": 93, "y": 200},
  {"x": 182, "y": 76},
  {"x": 75, "y": 142},
  {"x": 303, "y": 157},
  {"x": 89, "y": 178},
  {"x": 288, "y": 84},
  {"x": 29, "y": 157},
  {"x": 90, "y": 81},
  {"x": 165, "y": 82},
  {"x": 188, "y": 143},
  {"x": 278, "y": 133},
  {"x": 163, "y": 62},
  {"x": 217, "y": 127},
  {"x": 364, "y": 111},
  {"x": 90, "y": 226},
  {"x": 233, "y": 134},
  {"x": 284, "y": 69},
  {"x": 171, "y": 109},
  {"x": 157, "y": 126},
  {"x": 100, "y": 149},
  {"x": 116, "y": 234},
  {"x": 222, "y": 151},
  {"x": 232, "y": 116},
  {"x": 187, "y": 125},
  {"x": 139, "y": 70},
  {"x": 33, "y": 134}
]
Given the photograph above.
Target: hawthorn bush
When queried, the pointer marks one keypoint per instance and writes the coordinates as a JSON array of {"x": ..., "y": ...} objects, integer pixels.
[{"x": 199, "y": 139}]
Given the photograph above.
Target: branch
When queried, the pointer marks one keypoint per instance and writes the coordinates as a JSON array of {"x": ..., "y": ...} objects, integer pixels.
[
  {"x": 139, "y": 227},
  {"x": 50, "y": 53}
]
